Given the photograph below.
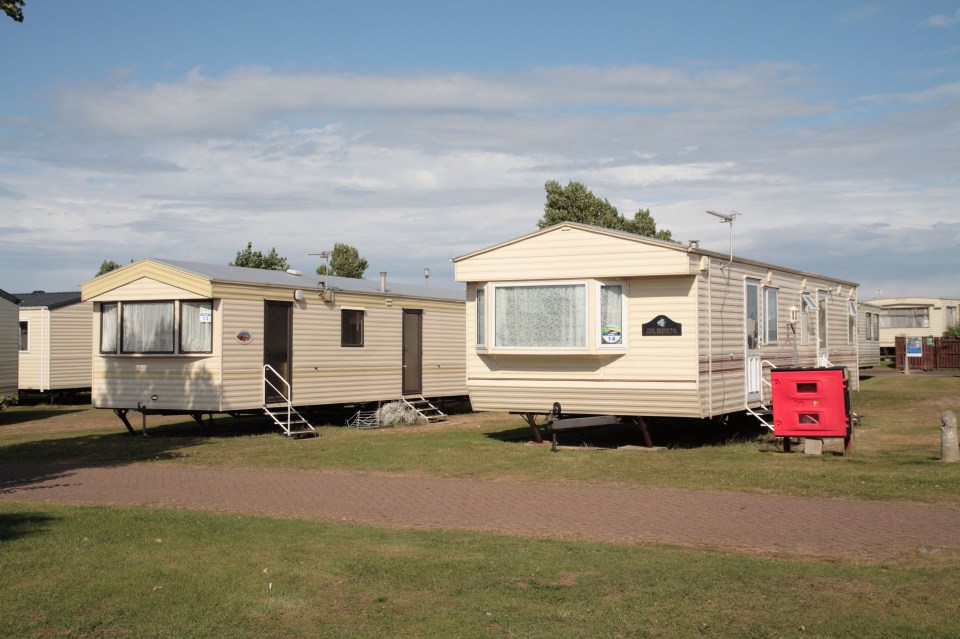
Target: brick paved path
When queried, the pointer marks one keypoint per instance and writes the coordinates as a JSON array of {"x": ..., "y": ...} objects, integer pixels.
[{"x": 788, "y": 526}]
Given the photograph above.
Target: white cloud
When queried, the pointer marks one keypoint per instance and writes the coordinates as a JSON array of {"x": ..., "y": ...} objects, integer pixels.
[
  {"x": 414, "y": 169},
  {"x": 943, "y": 19}
]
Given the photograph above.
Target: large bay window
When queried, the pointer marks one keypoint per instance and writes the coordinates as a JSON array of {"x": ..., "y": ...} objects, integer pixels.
[
  {"x": 545, "y": 316},
  {"x": 156, "y": 327},
  {"x": 565, "y": 316},
  {"x": 912, "y": 317}
]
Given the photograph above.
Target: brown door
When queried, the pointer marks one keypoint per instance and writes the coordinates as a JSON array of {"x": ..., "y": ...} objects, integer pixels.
[
  {"x": 277, "y": 347},
  {"x": 412, "y": 352}
]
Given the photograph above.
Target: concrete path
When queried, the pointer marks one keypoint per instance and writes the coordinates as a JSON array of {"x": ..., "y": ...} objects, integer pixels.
[{"x": 758, "y": 524}]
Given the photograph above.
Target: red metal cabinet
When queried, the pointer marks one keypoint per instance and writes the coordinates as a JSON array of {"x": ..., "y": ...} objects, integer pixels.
[{"x": 810, "y": 402}]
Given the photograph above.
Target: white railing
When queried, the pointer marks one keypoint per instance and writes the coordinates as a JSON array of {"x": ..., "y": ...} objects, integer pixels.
[{"x": 287, "y": 397}]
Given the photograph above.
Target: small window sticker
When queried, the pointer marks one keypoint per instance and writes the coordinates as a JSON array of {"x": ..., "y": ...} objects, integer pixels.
[{"x": 611, "y": 335}]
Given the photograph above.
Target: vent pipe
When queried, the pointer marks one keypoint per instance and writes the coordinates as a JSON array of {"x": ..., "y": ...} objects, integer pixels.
[{"x": 383, "y": 281}]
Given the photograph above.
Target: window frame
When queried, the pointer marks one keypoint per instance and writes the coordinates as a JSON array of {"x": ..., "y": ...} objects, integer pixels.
[
  {"x": 767, "y": 337},
  {"x": 24, "y": 324},
  {"x": 122, "y": 333},
  {"x": 180, "y": 330},
  {"x": 116, "y": 329},
  {"x": 492, "y": 305},
  {"x": 624, "y": 315},
  {"x": 344, "y": 311},
  {"x": 480, "y": 334},
  {"x": 851, "y": 322},
  {"x": 177, "y": 328}
]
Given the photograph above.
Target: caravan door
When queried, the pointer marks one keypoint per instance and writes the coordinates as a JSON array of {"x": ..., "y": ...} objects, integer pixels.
[
  {"x": 277, "y": 333},
  {"x": 412, "y": 351},
  {"x": 751, "y": 314}
]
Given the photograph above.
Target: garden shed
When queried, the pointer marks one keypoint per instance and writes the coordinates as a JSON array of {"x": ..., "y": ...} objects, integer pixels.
[
  {"x": 56, "y": 336},
  {"x": 605, "y": 322},
  {"x": 173, "y": 336},
  {"x": 9, "y": 344}
]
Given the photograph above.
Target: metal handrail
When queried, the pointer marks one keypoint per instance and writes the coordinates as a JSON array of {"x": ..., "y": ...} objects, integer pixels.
[{"x": 288, "y": 396}]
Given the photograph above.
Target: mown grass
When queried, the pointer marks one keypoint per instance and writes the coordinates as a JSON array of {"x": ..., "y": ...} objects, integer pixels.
[
  {"x": 896, "y": 453},
  {"x": 117, "y": 572}
]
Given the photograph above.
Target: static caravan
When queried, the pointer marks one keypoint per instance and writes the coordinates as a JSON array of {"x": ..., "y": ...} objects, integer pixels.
[
  {"x": 868, "y": 327},
  {"x": 610, "y": 323},
  {"x": 915, "y": 317},
  {"x": 55, "y": 342},
  {"x": 183, "y": 337},
  {"x": 9, "y": 345}
]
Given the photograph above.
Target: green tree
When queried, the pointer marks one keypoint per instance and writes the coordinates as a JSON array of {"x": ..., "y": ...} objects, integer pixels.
[
  {"x": 106, "y": 266},
  {"x": 576, "y": 203},
  {"x": 345, "y": 261},
  {"x": 952, "y": 332},
  {"x": 13, "y": 8},
  {"x": 256, "y": 259}
]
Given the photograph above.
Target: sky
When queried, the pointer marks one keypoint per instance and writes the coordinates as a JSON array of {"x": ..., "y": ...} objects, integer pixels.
[{"x": 422, "y": 131}]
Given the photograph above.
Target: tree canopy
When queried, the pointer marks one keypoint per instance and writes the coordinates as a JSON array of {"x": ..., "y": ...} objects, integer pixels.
[
  {"x": 345, "y": 261},
  {"x": 106, "y": 266},
  {"x": 576, "y": 203},
  {"x": 256, "y": 259},
  {"x": 13, "y": 8}
]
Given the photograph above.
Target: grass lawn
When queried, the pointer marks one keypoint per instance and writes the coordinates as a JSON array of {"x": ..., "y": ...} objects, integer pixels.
[
  {"x": 896, "y": 455},
  {"x": 116, "y": 572},
  {"x": 85, "y": 572}
]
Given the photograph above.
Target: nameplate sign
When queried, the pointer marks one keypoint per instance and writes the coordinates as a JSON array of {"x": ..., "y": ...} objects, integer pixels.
[{"x": 661, "y": 325}]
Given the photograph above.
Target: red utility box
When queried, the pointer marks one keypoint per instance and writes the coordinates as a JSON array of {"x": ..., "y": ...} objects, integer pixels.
[{"x": 810, "y": 402}]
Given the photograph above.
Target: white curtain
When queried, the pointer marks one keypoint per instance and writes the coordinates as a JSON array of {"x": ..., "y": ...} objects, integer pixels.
[
  {"x": 108, "y": 328},
  {"x": 542, "y": 316},
  {"x": 611, "y": 314},
  {"x": 148, "y": 327},
  {"x": 196, "y": 327}
]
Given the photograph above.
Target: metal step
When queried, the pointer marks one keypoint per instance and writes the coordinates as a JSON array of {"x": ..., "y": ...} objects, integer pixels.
[{"x": 424, "y": 408}]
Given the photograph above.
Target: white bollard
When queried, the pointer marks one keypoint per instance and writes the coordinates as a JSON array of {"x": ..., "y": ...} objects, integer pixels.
[{"x": 949, "y": 449}]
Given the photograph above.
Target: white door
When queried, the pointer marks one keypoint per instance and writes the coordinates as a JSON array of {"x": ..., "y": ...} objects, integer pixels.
[{"x": 751, "y": 313}]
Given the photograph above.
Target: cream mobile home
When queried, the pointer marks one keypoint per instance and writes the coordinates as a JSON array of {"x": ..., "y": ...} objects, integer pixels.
[
  {"x": 604, "y": 322},
  {"x": 56, "y": 338},
  {"x": 9, "y": 345},
  {"x": 915, "y": 317},
  {"x": 198, "y": 338}
]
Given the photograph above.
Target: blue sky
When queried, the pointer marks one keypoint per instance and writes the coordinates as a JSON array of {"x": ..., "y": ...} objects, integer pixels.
[{"x": 420, "y": 131}]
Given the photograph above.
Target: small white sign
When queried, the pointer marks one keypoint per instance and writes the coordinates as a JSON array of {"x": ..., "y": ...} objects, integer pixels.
[{"x": 206, "y": 315}]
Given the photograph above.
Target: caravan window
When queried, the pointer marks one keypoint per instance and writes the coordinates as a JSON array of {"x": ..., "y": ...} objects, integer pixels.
[
  {"x": 147, "y": 327},
  {"x": 611, "y": 324},
  {"x": 156, "y": 328},
  {"x": 770, "y": 315},
  {"x": 912, "y": 317},
  {"x": 550, "y": 316},
  {"x": 108, "y": 328},
  {"x": 351, "y": 327},
  {"x": 196, "y": 327},
  {"x": 852, "y": 322},
  {"x": 24, "y": 337},
  {"x": 482, "y": 317}
]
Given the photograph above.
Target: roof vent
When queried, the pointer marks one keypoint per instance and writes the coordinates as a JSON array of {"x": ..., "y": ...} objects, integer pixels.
[
  {"x": 293, "y": 271},
  {"x": 383, "y": 281},
  {"x": 38, "y": 293},
  {"x": 694, "y": 244}
]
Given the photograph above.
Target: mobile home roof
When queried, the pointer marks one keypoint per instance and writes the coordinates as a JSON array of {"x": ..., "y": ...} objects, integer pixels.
[
  {"x": 633, "y": 237},
  {"x": 264, "y": 277}
]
